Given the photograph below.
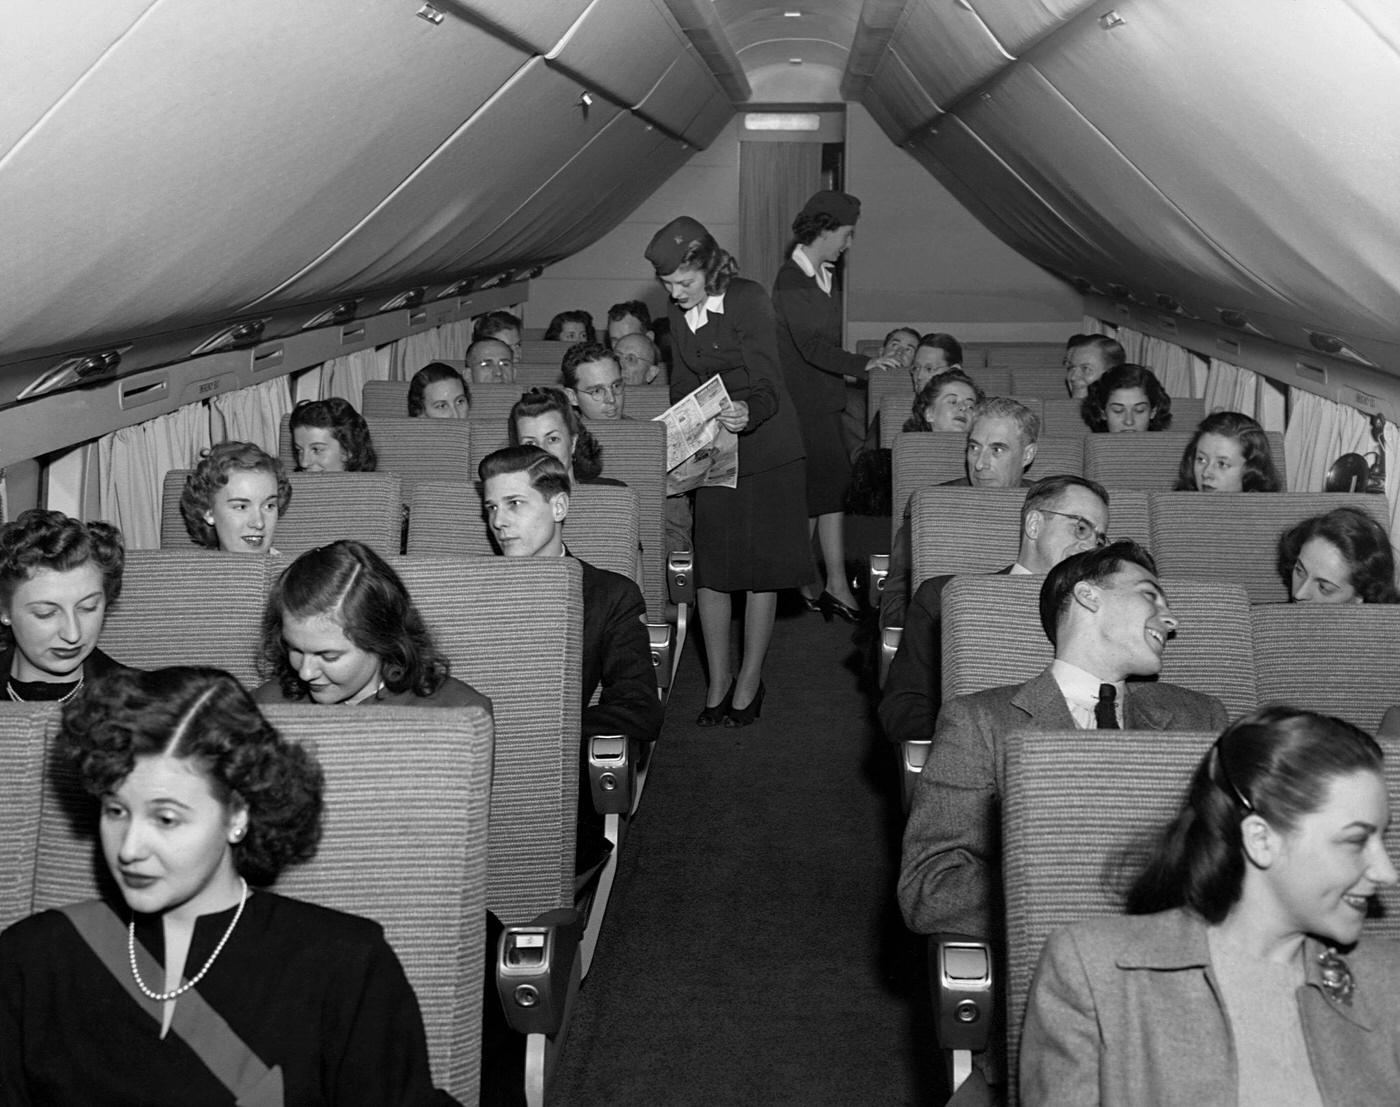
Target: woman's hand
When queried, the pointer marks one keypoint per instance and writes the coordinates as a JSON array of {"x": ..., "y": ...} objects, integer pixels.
[{"x": 734, "y": 416}]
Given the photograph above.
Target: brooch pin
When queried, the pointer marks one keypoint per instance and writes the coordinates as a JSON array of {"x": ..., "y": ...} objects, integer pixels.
[{"x": 1337, "y": 981}]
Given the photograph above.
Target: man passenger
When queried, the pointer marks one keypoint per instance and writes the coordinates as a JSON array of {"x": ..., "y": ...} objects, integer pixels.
[
  {"x": 1087, "y": 358},
  {"x": 638, "y": 358},
  {"x": 502, "y": 325},
  {"x": 936, "y": 353},
  {"x": 900, "y": 345},
  {"x": 628, "y": 317},
  {"x": 1062, "y": 516},
  {"x": 490, "y": 361},
  {"x": 593, "y": 382}
]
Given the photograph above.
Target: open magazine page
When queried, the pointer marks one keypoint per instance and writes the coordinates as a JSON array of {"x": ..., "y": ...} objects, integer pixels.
[{"x": 699, "y": 452}]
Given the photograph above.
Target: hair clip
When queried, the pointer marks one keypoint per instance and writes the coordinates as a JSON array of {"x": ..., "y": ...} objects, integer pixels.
[{"x": 1337, "y": 980}]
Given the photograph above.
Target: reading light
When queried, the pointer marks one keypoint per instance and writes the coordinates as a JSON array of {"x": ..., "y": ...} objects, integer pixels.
[{"x": 792, "y": 15}]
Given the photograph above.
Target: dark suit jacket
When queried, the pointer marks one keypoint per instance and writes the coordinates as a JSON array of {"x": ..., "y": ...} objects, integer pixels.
[
  {"x": 741, "y": 345},
  {"x": 950, "y": 874},
  {"x": 914, "y": 686},
  {"x": 809, "y": 343},
  {"x": 617, "y": 659}
]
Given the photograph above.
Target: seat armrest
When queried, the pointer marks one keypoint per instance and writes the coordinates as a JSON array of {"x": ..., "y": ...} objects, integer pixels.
[
  {"x": 890, "y": 638},
  {"x": 879, "y": 571},
  {"x": 612, "y": 774},
  {"x": 680, "y": 576},
  {"x": 960, "y": 980},
  {"x": 913, "y": 756},
  {"x": 662, "y": 639},
  {"x": 535, "y": 962}
]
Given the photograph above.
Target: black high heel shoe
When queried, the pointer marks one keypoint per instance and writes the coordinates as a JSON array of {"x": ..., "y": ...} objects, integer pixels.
[
  {"x": 743, "y": 716},
  {"x": 714, "y": 716},
  {"x": 829, "y": 605},
  {"x": 812, "y": 603}
]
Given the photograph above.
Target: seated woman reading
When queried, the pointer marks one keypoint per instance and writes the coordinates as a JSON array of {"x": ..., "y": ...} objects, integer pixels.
[
  {"x": 58, "y": 577},
  {"x": 234, "y": 498},
  {"x": 1227, "y": 981},
  {"x": 340, "y": 627},
  {"x": 191, "y": 983},
  {"x": 1228, "y": 453}
]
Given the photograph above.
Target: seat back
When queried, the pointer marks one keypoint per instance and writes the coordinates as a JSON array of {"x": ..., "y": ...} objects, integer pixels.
[
  {"x": 447, "y": 519},
  {"x": 423, "y": 449},
  {"x": 920, "y": 460},
  {"x": 1045, "y": 379},
  {"x": 1340, "y": 660},
  {"x": 954, "y": 532},
  {"x": 897, "y": 409},
  {"x": 635, "y": 452},
  {"x": 1150, "y": 462},
  {"x": 385, "y": 400},
  {"x": 1063, "y": 416},
  {"x": 1234, "y": 535},
  {"x": 513, "y": 629},
  {"x": 324, "y": 507},
  {"x": 191, "y": 607},
  {"x": 893, "y": 388},
  {"x": 23, "y": 744},
  {"x": 992, "y": 636},
  {"x": 1060, "y": 414}
]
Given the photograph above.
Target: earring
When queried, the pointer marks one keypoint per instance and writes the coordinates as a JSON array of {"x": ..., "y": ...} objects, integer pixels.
[{"x": 237, "y": 835}]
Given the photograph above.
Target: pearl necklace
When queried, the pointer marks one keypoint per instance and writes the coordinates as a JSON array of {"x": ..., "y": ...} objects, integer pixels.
[
  {"x": 163, "y": 997},
  {"x": 10, "y": 688}
]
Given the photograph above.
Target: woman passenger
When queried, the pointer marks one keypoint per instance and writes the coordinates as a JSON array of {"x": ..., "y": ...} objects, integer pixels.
[
  {"x": 1228, "y": 453},
  {"x": 234, "y": 498},
  {"x": 1341, "y": 557},
  {"x": 544, "y": 417},
  {"x": 340, "y": 627},
  {"x": 330, "y": 436},
  {"x": 194, "y": 984},
  {"x": 437, "y": 391},
  {"x": 1226, "y": 982},
  {"x": 571, "y": 327},
  {"x": 58, "y": 577},
  {"x": 945, "y": 403},
  {"x": 1127, "y": 398},
  {"x": 751, "y": 538}
]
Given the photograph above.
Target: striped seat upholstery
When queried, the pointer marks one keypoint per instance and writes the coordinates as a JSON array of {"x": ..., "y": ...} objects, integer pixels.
[
  {"x": 893, "y": 386},
  {"x": 23, "y": 747},
  {"x": 190, "y": 607},
  {"x": 1234, "y": 536},
  {"x": 920, "y": 460},
  {"x": 957, "y": 532},
  {"x": 513, "y": 629},
  {"x": 1060, "y": 415},
  {"x": 412, "y": 449},
  {"x": 1034, "y": 355},
  {"x": 385, "y": 400},
  {"x": 1046, "y": 380},
  {"x": 1341, "y": 660},
  {"x": 992, "y": 636},
  {"x": 635, "y": 452},
  {"x": 897, "y": 409},
  {"x": 993, "y": 379},
  {"x": 1150, "y": 462},
  {"x": 446, "y": 519},
  {"x": 404, "y": 844},
  {"x": 324, "y": 507}
]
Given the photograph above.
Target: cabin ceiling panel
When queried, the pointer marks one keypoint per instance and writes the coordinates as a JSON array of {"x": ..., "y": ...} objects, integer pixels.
[
  {"x": 44, "y": 51},
  {"x": 948, "y": 47},
  {"x": 896, "y": 98},
  {"x": 1019, "y": 24},
  {"x": 680, "y": 102},
  {"x": 1286, "y": 159},
  {"x": 538, "y": 25},
  {"x": 435, "y": 221},
  {"x": 140, "y": 209}
]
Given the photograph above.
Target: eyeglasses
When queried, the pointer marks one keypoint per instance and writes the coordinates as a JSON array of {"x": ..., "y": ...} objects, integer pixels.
[
  {"x": 1083, "y": 529},
  {"x": 601, "y": 392},
  {"x": 640, "y": 359},
  {"x": 493, "y": 363}
]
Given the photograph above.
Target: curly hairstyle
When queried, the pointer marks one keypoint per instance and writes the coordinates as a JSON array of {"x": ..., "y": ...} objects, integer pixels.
[
  {"x": 41, "y": 539},
  {"x": 1362, "y": 542},
  {"x": 204, "y": 714},
  {"x": 928, "y": 396},
  {"x": 547, "y": 474},
  {"x": 346, "y": 424},
  {"x": 494, "y": 324},
  {"x": 1094, "y": 407},
  {"x": 556, "y": 325},
  {"x": 351, "y": 584},
  {"x": 212, "y": 473},
  {"x": 807, "y": 226},
  {"x": 433, "y": 373},
  {"x": 710, "y": 258},
  {"x": 1259, "y": 472},
  {"x": 1278, "y": 763},
  {"x": 584, "y": 353},
  {"x": 587, "y": 451}
]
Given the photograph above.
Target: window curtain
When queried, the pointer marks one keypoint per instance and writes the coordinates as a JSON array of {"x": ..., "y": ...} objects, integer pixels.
[
  {"x": 251, "y": 414},
  {"x": 448, "y": 342},
  {"x": 1231, "y": 388},
  {"x": 1181, "y": 372},
  {"x": 345, "y": 376},
  {"x": 775, "y": 180},
  {"x": 1320, "y": 431},
  {"x": 132, "y": 464}
]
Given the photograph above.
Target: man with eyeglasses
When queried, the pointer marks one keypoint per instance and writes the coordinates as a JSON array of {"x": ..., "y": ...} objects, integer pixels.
[
  {"x": 1108, "y": 619},
  {"x": 636, "y": 354},
  {"x": 1061, "y": 516},
  {"x": 490, "y": 361},
  {"x": 593, "y": 382}
]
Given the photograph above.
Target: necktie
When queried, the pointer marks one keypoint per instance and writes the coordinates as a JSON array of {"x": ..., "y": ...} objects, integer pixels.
[{"x": 1105, "y": 717}]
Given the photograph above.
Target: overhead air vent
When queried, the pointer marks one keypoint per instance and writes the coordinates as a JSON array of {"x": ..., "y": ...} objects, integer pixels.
[
  {"x": 456, "y": 288},
  {"x": 1232, "y": 318},
  {"x": 233, "y": 337},
  {"x": 1110, "y": 20},
  {"x": 342, "y": 313},
  {"x": 535, "y": 273},
  {"x": 74, "y": 370},
  {"x": 410, "y": 299},
  {"x": 1331, "y": 344},
  {"x": 1119, "y": 291},
  {"x": 1168, "y": 303}
]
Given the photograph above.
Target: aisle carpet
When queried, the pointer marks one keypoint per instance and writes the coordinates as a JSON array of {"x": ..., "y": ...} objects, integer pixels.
[{"x": 753, "y": 952}]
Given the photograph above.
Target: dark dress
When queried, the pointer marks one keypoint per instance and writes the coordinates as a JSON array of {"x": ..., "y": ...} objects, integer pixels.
[
  {"x": 752, "y": 537},
  {"x": 452, "y": 693},
  {"x": 318, "y": 993},
  {"x": 96, "y": 664},
  {"x": 815, "y": 367}
]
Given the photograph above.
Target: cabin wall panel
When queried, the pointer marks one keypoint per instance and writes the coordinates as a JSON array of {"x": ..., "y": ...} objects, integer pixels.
[
  {"x": 627, "y": 67},
  {"x": 1018, "y": 25},
  {"x": 948, "y": 48},
  {"x": 538, "y": 24},
  {"x": 897, "y": 99}
]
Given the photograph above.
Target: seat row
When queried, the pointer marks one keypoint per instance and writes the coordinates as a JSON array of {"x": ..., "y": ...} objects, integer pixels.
[{"x": 491, "y": 403}]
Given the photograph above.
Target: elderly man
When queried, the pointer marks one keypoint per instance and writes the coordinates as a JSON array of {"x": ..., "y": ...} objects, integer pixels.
[
  {"x": 1001, "y": 444},
  {"x": 490, "y": 361},
  {"x": 1062, "y": 516},
  {"x": 1087, "y": 358},
  {"x": 638, "y": 357}
]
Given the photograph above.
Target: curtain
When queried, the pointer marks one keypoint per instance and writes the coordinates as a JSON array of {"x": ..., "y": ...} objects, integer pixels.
[
  {"x": 1134, "y": 344},
  {"x": 132, "y": 464},
  {"x": 251, "y": 414},
  {"x": 775, "y": 180},
  {"x": 345, "y": 376},
  {"x": 1231, "y": 388},
  {"x": 1181, "y": 372},
  {"x": 411, "y": 353},
  {"x": 1320, "y": 431}
]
